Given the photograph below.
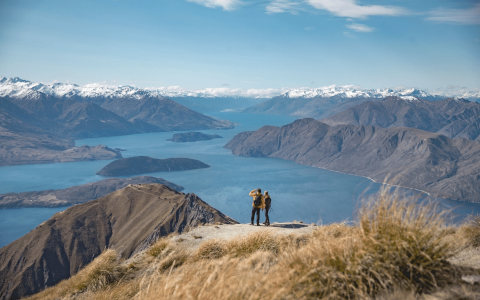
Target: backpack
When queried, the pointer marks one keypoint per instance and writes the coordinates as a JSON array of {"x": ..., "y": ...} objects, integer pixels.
[{"x": 258, "y": 200}]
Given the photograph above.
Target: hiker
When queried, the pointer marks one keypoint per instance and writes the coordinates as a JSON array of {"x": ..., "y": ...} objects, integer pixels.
[
  {"x": 258, "y": 203},
  {"x": 268, "y": 204}
]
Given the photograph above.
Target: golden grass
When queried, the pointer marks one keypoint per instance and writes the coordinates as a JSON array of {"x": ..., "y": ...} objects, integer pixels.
[
  {"x": 397, "y": 249},
  {"x": 471, "y": 231},
  {"x": 101, "y": 273},
  {"x": 157, "y": 248}
]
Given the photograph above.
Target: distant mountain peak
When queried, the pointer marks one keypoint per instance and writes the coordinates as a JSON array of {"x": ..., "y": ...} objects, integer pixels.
[
  {"x": 17, "y": 87},
  {"x": 352, "y": 91}
]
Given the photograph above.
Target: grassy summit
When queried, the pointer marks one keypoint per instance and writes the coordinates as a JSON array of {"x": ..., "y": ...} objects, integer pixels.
[{"x": 397, "y": 249}]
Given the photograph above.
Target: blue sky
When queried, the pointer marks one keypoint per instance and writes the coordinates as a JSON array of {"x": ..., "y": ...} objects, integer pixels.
[{"x": 428, "y": 44}]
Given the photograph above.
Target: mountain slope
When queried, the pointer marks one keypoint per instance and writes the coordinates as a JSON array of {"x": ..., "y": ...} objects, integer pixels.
[
  {"x": 21, "y": 142},
  {"x": 317, "y": 107},
  {"x": 88, "y": 120},
  {"x": 455, "y": 118},
  {"x": 164, "y": 113},
  {"x": 418, "y": 159},
  {"x": 127, "y": 220},
  {"x": 78, "y": 120}
]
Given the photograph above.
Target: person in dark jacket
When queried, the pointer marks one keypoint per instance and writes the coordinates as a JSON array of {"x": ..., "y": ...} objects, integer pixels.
[
  {"x": 268, "y": 204},
  {"x": 256, "y": 209}
]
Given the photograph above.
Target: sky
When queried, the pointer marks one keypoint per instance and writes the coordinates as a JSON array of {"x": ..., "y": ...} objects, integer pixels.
[{"x": 195, "y": 44}]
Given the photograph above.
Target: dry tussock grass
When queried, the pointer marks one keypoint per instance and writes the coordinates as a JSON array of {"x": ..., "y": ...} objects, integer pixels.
[
  {"x": 396, "y": 243},
  {"x": 398, "y": 249},
  {"x": 100, "y": 274},
  {"x": 470, "y": 231}
]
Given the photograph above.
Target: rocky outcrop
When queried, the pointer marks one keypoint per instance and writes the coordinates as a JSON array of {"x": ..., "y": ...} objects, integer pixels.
[
  {"x": 144, "y": 164},
  {"x": 126, "y": 220},
  {"x": 414, "y": 158},
  {"x": 193, "y": 137},
  {"x": 454, "y": 118},
  {"x": 76, "y": 194}
]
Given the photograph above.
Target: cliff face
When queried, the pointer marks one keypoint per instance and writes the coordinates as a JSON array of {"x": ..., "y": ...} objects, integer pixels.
[
  {"x": 127, "y": 220},
  {"x": 418, "y": 159},
  {"x": 450, "y": 117}
]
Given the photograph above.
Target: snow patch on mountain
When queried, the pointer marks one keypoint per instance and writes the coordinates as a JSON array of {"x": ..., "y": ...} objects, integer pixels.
[{"x": 409, "y": 98}]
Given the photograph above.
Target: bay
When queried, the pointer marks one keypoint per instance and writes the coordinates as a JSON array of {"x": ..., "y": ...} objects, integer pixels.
[{"x": 299, "y": 192}]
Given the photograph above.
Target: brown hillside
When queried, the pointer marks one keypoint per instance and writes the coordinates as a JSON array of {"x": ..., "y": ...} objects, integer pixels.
[
  {"x": 431, "y": 162},
  {"x": 127, "y": 220}
]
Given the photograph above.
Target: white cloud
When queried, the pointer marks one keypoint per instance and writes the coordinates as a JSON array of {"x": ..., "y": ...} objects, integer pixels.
[
  {"x": 225, "y": 4},
  {"x": 360, "y": 27},
  {"x": 458, "y": 16},
  {"x": 281, "y": 6},
  {"x": 350, "y": 9}
]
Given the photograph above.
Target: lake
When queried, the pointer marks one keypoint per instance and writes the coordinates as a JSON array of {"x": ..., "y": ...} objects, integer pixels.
[{"x": 298, "y": 192}]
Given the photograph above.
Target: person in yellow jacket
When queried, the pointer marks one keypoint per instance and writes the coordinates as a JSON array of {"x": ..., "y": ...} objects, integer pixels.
[{"x": 256, "y": 209}]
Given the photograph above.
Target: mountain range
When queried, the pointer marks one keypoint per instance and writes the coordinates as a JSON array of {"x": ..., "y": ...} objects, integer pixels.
[
  {"x": 454, "y": 118},
  {"x": 444, "y": 167},
  {"x": 127, "y": 220},
  {"x": 85, "y": 112},
  {"x": 323, "y": 102},
  {"x": 38, "y": 125}
]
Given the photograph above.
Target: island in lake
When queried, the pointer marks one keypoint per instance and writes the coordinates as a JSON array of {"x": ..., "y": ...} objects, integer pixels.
[
  {"x": 144, "y": 164},
  {"x": 193, "y": 137}
]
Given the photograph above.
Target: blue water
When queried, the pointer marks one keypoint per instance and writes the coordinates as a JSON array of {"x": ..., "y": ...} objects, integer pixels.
[{"x": 298, "y": 192}]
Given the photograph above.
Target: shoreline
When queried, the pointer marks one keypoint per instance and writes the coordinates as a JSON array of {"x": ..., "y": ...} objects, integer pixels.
[{"x": 389, "y": 184}]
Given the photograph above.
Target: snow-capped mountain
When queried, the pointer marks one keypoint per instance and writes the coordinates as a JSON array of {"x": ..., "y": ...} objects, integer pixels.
[
  {"x": 19, "y": 88},
  {"x": 351, "y": 91}
]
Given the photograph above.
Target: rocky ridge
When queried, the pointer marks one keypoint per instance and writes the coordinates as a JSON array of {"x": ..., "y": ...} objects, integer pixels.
[{"x": 76, "y": 194}]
